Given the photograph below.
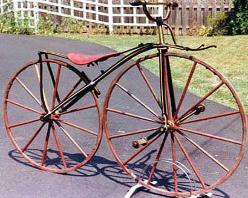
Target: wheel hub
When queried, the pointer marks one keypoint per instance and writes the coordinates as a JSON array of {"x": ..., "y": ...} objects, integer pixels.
[{"x": 53, "y": 117}]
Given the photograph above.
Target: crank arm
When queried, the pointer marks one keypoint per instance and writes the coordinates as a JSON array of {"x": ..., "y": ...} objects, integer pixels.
[
  {"x": 196, "y": 111},
  {"x": 143, "y": 141}
]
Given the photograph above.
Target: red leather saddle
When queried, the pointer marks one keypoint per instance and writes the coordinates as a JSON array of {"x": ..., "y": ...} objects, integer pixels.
[{"x": 85, "y": 59}]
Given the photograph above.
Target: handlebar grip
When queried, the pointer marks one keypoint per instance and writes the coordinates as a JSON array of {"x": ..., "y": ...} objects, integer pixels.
[
  {"x": 137, "y": 3},
  {"x": 173, "y": 4}
]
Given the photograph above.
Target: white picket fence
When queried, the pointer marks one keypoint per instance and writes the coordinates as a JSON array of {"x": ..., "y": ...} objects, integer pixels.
[{"x": 116, "y": 13}]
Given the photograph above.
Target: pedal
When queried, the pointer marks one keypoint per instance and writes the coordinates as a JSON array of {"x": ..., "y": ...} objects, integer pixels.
[
  {"x": 141, "y": 142},
  {"x": 198, "y": 109}
]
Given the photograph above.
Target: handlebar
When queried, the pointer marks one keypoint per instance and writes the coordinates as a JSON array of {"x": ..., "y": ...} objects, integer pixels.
[
  {"x": 168, "y": 4},
  {"x": 142, "y": 3}
]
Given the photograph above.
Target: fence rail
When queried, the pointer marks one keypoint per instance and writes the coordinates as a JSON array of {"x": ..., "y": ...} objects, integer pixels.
[{"x": 118, "y": 15}]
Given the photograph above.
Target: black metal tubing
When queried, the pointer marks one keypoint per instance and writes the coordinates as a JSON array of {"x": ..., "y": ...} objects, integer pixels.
[
  {"x": 170, "y": 84},
  {"x": 91, "y": 84},
  {"x": 41, "y": 83}
]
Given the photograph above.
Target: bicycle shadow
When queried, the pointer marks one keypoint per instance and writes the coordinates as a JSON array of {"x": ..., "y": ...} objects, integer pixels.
[{"x": 111, "y": 170}]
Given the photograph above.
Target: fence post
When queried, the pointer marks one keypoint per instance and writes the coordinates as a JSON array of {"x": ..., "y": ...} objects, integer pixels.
[
  {"x": 15, "y": 8},
  {"x": 36, "y": 16},
  {"x": 59, "y": 6},
  {"x": 1, "y": 6},
  {"x": 72, "y": 8},
  {"x": 110, "y": 15}
]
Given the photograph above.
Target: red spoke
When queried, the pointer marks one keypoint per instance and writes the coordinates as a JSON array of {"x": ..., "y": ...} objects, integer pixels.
[
  {"x": 33, "y": 137},
  {"x": 44, "y": 153},
  {"x": 56, "y": 86},
  {"x": 137, "y": 100},
  {"x": 71, "y": 139},
  {"x": 185, "y": 88},
  {"x": 210, "y": 117},
  {"x": 157, "y": 158},
  {"x": 55, "y": 134},
  {"x": 134, "y": 116},
  {"x": 23, "y": 106},
  {"x": 174, "y": 167},
  {"x": 206, "y": 153},
  {"x": 132, "y": 133},
  {"x": 142, "y": 149},
  {"x": 208, "y": 135},
  {"x": 148, "y": 84},
  {"x": 28, "y": 91},
  {"x": 23, "y": 123},
  {"x": 78, "y": 127},
  {"x": 190, "y": 162},
  {"x": 78, "y": 109},
  {"x": 201, "y": 100}
]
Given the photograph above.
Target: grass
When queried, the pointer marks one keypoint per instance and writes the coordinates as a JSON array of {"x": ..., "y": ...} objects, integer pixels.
[{"x": 230, "y": 57}]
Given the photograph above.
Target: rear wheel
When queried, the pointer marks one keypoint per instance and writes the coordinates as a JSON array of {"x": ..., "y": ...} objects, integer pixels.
[
  {"x": 197, "y": 149},
  {"x": 68, "y": 139}
]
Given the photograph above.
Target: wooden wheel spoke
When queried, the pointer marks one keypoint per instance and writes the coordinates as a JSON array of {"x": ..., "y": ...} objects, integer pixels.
[
  {"x": 56, "y": 83},
  {"x": 78, "y": 109},
  {"x": 148, "y": 85},
  {"x": 53, "y": 79},
  {"x": 134, "y": 115},
  {"x": 78, "y": 127},
  {"x": 23, "y": 106},
  {"x": 33, "y": 137},
  {"x": 174, "y": 157},
  {"x": 157, "y": 158},
  {"x": 137, "y": 100},
  {"x": 37, "y": 72},
  {"x": 142, "y": 149},
  {"x": 24, "y": 123},
  {"x": 210, "y": 117},
  {"x": 206, "y": 153},
  {"x": 56, "y": 137},
  {"x": 185, "y": 88},
  {"x": 190, "y": 162},
  {"x": 201, "y": 100},
  {"x": 44, "y": 153},
  {"x": 28, "y": 91},
  {"x": 71, "y": 139},
  {"x": 209, "y": 135},
  {"x": 132, "y": 133}
]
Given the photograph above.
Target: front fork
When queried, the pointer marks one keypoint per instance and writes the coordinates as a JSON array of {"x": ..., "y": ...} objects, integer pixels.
[
  {"x": 167, "y": 99},
  {"x": 166, "y": 88}
]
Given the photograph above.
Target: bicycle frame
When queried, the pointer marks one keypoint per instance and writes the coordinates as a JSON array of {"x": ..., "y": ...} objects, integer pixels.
[
  {"x": 143, "y": 125},
  {"x": 166, "y": 84}
]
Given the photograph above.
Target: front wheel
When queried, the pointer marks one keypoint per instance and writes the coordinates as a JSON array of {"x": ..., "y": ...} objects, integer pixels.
[
  {"x": 66, "y": 140},
  {"x": 198, "y": 149}
]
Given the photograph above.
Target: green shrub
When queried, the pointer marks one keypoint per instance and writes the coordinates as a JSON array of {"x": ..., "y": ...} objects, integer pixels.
[
  {"x": 10, "y": 25},
  {"x": 7, "y": 23},
  {"x": 204, "y": 30},
  {"x": 70, "y": 25},
  {"x": 46, "y": 25},
  {"x": 217, "y": 24},
  {"x": 238, "y": 21},
  {"x": 23, "y": 26}
]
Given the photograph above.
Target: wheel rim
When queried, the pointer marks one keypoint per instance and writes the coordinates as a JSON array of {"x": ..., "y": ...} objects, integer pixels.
[
  {"x": 191, "y": 141},
  {"x": 67, "y": 140}
]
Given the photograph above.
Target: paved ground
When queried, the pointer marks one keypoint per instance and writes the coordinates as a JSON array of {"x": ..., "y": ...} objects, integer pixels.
[{"x": 17, "y": 179}]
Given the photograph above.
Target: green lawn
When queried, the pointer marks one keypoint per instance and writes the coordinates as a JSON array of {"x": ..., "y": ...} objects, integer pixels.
[{"x": 230, "y": 58}]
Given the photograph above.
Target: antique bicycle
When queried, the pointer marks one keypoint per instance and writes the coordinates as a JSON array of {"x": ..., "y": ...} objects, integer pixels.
[{"x": 54, "y": 118}]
